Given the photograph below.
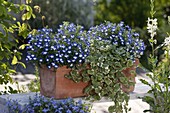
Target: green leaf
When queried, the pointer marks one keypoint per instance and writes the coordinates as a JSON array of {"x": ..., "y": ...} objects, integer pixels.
[
  {"x": 24, "y": 16},
  {"x": 158, "y": 87},
  {"x": 90, "y": 72},
  {"x": 22, "y": 64},
  {"x": 22, "y": 7},
  {"x": 1, "y": 12},
  {"x": 4, "y": 66},
  {"x": 19, "y": 24},
  {"x": 12, "y": 71},
  {"x": 33, "y": 15},
  {"x": 122, "y": 79},
  {"x": 23, "y": 46},
  {"x": 111, "y": 109},
  {"x": 11, "y": 30},
  {"x": 129, "y": 63},
  {"x": 14, "y": 61},
  {"x": 145, "y": 82},
  {"x": 88, "y": 89},
  {"x": 14, "y": 26},
  {"x": 28, "y": 15},
  {"x": 99, "y": 77}
]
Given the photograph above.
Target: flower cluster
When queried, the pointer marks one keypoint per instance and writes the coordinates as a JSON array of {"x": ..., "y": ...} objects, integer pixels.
[
  {"x": 167, "y": 41},
  {"x": 14, "y": 106},
  {"x": 68, "y": 46},
  {"x": 152, "y": 27},
  {"x": 121, "y": 36},
  {"x": 41, "y": 104},
  {"x": 167, "y": 45}
]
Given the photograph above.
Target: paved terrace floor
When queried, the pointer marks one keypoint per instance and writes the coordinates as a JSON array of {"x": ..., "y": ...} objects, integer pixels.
[{"x": 136, "y": 104}]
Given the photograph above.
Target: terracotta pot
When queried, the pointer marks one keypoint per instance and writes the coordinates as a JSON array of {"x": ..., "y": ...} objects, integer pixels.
[
  {"x": 131, "y": 77},
  {"x": 54, "y": 84}
]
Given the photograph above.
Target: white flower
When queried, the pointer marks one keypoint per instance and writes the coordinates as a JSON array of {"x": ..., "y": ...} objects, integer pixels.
[
  {"x": 152, "y": 26},
  {"x": 167, "y": 44},
  {"x": 167, "y": 41}
]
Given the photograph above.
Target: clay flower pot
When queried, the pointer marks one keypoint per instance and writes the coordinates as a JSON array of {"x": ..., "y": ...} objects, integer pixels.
[
  {"x": 131, "y": 76},
  {"x": 54, "y": 84}
]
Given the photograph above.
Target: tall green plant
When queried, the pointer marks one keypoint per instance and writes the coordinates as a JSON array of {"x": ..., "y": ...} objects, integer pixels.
[
  {"x": 159, "y": 100},
  {"x": 8, "y": 26}
]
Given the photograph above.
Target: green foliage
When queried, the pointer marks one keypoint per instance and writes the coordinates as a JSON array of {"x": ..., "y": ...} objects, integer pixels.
[
  {"x": 160, "y": 94},
  {"x": 105, "y": 76},
  {"x": 159, "y": 98},
  {"x": 111, "y": 52},
  {"x": 57, "y": 11},
  {"x": 104, "y": 72},
  {"x": 8, "y": 26}
]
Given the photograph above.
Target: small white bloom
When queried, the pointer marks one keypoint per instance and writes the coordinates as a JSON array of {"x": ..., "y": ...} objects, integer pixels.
[
  {"x": 167, "y": 41},
  {"x": 64, "y": 36},
  {"x": 15, "y": 51},
  {"x": 152, "y": 26}
]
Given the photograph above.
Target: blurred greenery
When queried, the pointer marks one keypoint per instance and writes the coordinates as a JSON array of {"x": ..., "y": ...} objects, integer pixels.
[
  {"x": 132, "y": 12},
  {"x": 54, "y": 12}
]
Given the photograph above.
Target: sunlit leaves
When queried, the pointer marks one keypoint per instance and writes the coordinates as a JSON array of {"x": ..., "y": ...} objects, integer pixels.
[{"x": 9, "y": 25}]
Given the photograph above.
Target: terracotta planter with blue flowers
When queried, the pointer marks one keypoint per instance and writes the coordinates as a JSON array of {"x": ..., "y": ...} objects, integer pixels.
[
  {"x": 53, "y": 52},
  {"x": 54, "y": 84}
]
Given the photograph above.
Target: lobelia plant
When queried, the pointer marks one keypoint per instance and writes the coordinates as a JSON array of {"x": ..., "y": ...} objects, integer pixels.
[
  {"x": 113, "y": 48},
  {"x": 121, "y": 36},
  {"x": 41, "y": 104},
  {"x": 68, "y": 46},
  {"x": 159, "y": 99}
]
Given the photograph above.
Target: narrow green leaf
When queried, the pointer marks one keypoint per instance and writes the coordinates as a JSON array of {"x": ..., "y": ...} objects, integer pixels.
[
  {"x": 22, "y": 64},
  {"x": 33, "y": 16},
  {"x": 145, "y": 82},
  {"x": 23, "y": 46},
  {"x": 88, "y": 89}
]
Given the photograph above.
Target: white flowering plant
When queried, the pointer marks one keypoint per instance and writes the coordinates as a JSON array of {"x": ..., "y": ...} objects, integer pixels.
[
  {"x": 159, "y": 98},
  {"x": 69, "y": 45}
]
